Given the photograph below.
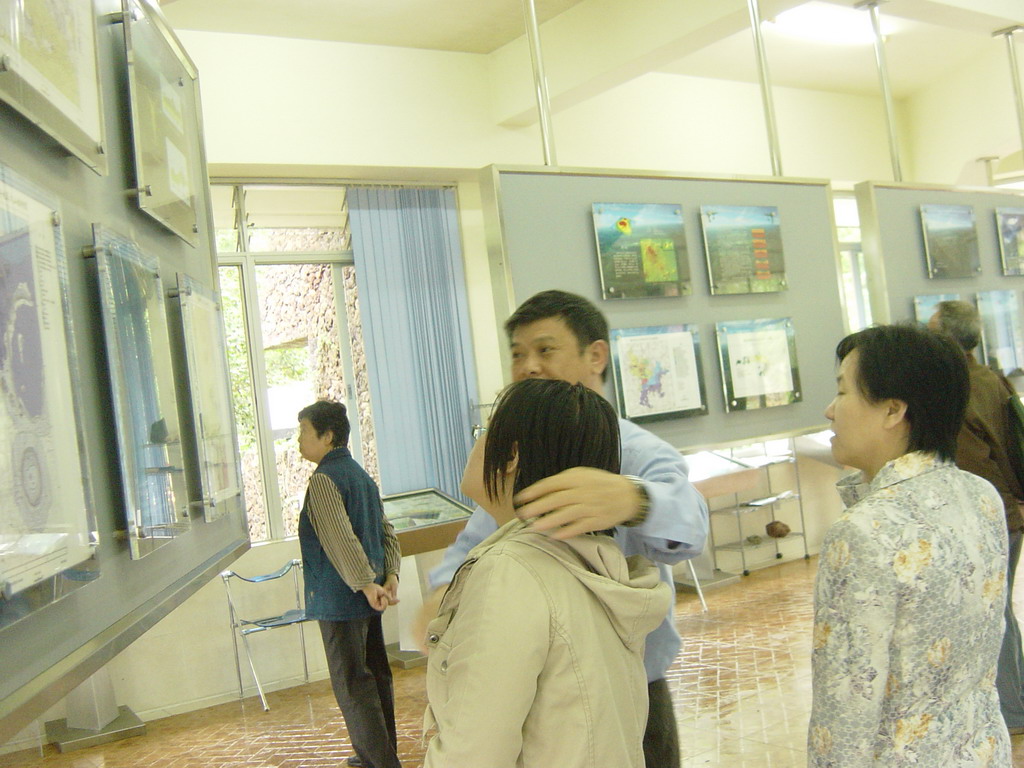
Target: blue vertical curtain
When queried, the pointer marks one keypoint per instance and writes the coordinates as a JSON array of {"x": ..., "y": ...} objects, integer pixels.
[{"x": 412, "y": 298}]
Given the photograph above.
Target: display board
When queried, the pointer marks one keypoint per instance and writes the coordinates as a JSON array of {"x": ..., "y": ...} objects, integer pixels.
[
  {"x": 55, "y": 646},
  {"x": 527, "y": 258},
  {"x": 896, "y": 251}
]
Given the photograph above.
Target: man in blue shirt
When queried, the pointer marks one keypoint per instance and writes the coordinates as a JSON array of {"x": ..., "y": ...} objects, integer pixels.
[{"x": 654, "y": 509}]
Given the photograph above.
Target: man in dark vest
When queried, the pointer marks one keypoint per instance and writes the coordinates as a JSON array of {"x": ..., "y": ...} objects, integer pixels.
[
  {"x": 350, "y": 560},
  {"x": 981, "y": 448}
]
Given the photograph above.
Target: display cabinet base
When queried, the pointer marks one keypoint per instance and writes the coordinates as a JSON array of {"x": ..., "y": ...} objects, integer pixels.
[
  {"x": 405, "y": 659},
  {"x": 719, "y": 579},
  {"x": 124, "y": 726}
]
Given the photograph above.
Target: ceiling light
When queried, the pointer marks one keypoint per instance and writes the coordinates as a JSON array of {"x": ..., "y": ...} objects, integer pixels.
[{"x": 828, "y": 24}]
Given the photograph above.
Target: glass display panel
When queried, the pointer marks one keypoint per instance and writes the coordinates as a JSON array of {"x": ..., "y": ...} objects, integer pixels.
[
  {"x": 1002, "y": 345},
  {"x": 164, "y": 88},
  {"x": 641, "y": 250},
  {"x": 924, "y": 306},
  {"x": 1010, "y": 223},
  {"x": 950, "y": 241},
  {"x": 47, "y": 525},
  {"x": 50, "y": 72},
  {"x": 419, "y": 509},
  {"x": 743, "y": 244},
  {"x": 209, "y": 382},
  {"x": 142, "y": 385},
  {"x": 658, "y": 372},
  {"x": 758, "y": 360}
]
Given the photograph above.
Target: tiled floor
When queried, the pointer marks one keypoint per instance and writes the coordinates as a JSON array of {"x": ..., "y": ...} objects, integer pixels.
[{"x": 741, "y": 686}]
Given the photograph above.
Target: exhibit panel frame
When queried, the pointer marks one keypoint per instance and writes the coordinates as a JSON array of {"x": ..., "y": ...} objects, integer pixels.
[
  {"x": 662, "y": 362},
  {"x": 893, "y": 244},
  {"x": 526, "y": 259},
  {"x": 134, "y": 311},
  {"x": 49, "y": 651},
  {"x": 220, "y": 490},
  {"x": 50, "y": 74},
  {"x": 1002, "y": 343},
  {"x": 48, "y": 531},
  {"x": 166, "y": 120}
]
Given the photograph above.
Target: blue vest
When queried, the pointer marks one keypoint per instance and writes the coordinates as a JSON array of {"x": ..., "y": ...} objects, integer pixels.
[{"x": 328, "y": 597}]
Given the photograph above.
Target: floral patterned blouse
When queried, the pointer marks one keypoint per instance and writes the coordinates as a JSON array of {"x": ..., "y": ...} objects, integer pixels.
[{"x": 908, "y": 621}]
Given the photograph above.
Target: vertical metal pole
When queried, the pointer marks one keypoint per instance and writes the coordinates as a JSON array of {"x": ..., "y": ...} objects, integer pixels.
[
  {"x": 540, "y": 83},
  {"x": 1011, "y": 51},
  {"x": 766, "y": 88},
  {"x": 883, "y": 79}
]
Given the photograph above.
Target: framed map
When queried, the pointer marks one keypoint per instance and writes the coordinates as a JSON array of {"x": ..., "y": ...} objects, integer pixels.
[
  {"x": 142, "y": 384},
  {"x": 1010, "y": 223},
  {"x": 220, "y": 474},
  {"x": 658, "y": 372},
  {"x": 50, "y": 72},
  {"x": 641, "y": 250},
  {"x": 759, "y": 367},
  {"x": 47, "y": 526},
  {"x": 1001, "y": 338},
  {"x": 743, "y": 244},
  {"x": 924, "y": 306},
  {"x": 164, "y": 87},
  {"x": 950, "y": 241}
]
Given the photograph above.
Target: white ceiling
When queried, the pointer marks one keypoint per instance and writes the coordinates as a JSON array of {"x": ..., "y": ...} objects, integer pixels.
[
  {"x": 472, "y": 26},
  {"x": 918, "y": 51}
]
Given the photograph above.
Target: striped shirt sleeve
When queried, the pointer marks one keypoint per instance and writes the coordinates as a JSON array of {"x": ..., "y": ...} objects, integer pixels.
[
  {"x": 392, "y": 550},
  {"x": 327, "y": 513}
]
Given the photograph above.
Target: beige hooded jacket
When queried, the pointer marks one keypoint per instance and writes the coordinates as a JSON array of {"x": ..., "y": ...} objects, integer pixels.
[{"x": 536, "y": 655}]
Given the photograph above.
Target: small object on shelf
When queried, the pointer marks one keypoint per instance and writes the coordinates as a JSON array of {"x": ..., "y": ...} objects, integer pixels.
[
  {"x": 754, "y": 540},
  {"x": 777, "y": 529}
]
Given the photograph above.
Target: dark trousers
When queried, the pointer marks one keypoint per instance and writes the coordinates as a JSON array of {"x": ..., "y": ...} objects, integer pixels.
[
  {"x": 1010, "y": 672},
  {"x": 361, "y": 679},
  {"x": 661, "y": 738}
]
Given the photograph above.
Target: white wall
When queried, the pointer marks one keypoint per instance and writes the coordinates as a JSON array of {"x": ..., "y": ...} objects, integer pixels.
[{"x": 961, "y": 117}]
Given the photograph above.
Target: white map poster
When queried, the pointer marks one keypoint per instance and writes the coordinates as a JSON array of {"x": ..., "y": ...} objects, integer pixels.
[
  {"x": 45, "y": 522},
  {"x": 758, "y": 359},
  {"x": 658, "y": 372}
]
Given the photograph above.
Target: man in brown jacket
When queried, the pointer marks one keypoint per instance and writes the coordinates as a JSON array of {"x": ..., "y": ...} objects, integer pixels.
[{"x": 982, "y": 450}]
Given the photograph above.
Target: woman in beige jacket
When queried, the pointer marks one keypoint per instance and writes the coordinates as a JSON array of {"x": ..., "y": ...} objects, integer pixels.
[{"x": 536, "y": 652}]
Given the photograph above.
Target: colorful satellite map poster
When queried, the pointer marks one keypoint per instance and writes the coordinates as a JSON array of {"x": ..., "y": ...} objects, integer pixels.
[
  {"x": 1000, "y": 331},
  {"x": 1010, "y": 222},
  {"x": 658, "y": 372},
  {"x": 758, "y": 359},
  {"x": 924, "y": 306},
  {"x": 950, "y": 241},
  {"x": 209, "y": 388},
  {"x": 50, "y": 74},
  {"x": 142, "y": 380},
  {"x": 45, "y": 520},
  {"x": 641, "y": 250},
  {"x": 744, "y": 248}
]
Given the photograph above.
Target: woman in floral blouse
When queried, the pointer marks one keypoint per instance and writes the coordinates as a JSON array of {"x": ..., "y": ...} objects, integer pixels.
[{"x": 909, "y": 595}]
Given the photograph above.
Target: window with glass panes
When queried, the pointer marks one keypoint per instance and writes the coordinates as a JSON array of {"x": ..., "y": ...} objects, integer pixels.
[{"x": 291, "y": 312}]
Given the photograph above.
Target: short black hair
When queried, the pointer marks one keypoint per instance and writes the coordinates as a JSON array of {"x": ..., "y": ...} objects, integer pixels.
[
  {"x": 551, "y": 426},
  {"x": 584, "y": 319},
  {"x": 960, "y": 319},
  {"x": 326, "y": 415},
  {"x": 924, "y": 369}
]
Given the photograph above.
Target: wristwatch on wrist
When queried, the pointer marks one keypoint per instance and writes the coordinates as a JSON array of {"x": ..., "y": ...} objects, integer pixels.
[{"x": 645, "y": 502}]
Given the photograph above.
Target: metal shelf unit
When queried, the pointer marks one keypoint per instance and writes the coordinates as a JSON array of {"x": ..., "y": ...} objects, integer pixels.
[{"x": 769, "y": 504}]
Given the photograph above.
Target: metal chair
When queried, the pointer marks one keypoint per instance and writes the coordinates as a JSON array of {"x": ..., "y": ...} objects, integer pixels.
[{"x": 246, "y": 627}]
